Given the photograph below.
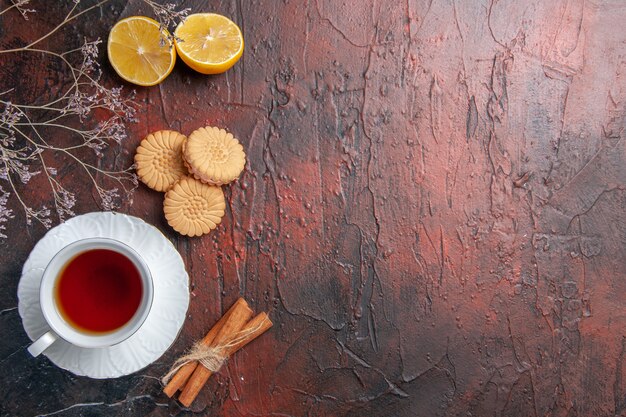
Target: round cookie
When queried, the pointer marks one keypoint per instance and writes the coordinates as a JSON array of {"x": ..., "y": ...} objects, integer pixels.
[
  {"x": 159, "y": 159},
  {"x": 213, "y": 155},
  {"x": 193, "y": 208}
]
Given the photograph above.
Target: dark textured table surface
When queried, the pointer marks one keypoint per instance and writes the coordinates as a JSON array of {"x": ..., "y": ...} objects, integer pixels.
[{"x": 433, "y": 211}]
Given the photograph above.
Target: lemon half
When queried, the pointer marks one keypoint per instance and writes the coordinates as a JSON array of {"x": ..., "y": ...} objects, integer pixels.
[
  {"x": 209, "y": 43},
  {"x": 141, "y": 52}
]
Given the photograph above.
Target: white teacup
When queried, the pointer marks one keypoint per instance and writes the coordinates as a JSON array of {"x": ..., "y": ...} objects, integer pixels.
[{"x": 60, "y": 327}]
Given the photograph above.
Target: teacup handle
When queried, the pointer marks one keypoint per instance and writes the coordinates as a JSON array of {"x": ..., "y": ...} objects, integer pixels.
[{"x": 42, "y": 343}]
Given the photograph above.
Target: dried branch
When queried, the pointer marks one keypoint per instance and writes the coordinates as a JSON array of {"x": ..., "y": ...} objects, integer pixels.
[
  {"x": 19, "y": 5},
  {"x": 28, "y": 132},
  {"x": 166, "y": 14}
]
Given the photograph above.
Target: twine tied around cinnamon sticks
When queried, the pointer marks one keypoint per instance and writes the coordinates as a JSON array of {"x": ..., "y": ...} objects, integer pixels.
[
  {"x": 211, "y": 357},
  {"x": 233, "y": 331}
]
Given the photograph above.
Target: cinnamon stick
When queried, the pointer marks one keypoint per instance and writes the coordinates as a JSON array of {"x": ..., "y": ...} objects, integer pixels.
[
  {"x": 179, "y": 380},
  {"x": 253, "y": 329}
]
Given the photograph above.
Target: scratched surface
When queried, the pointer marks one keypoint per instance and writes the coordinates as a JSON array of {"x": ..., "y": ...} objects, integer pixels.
[{"x": 433, "y": 212}]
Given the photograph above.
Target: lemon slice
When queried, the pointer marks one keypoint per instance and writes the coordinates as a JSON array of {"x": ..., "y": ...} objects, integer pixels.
[
  {"x": 209, "y": 43},
  {"x": 140, "y": 51}
]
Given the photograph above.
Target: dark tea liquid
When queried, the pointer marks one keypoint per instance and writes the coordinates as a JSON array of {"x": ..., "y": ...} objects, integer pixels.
[{"x": 99, "y": 291}]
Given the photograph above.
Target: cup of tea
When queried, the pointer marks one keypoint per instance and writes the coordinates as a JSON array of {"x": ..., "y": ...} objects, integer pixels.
[{"x": 94, "y": 293}]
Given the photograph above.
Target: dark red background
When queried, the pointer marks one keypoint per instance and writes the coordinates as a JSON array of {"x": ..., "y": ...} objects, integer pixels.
[{"x": 433, "y": 212}]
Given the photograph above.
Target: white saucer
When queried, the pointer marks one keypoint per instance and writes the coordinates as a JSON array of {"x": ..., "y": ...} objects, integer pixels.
[{"x": 169, "y": 307}]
